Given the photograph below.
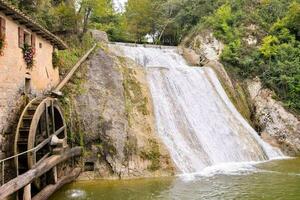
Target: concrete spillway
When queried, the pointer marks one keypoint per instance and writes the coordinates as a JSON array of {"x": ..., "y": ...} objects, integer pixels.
[{"x": 194, "y": 117}]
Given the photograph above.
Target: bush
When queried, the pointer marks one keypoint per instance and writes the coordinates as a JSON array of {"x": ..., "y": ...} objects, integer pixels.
[{"x": 276, "y": 58}]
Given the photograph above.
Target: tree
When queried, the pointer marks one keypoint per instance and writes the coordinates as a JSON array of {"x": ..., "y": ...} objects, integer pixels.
[
  {"x": 138, "y": 16},
  {"x": 89, "y": 7}
]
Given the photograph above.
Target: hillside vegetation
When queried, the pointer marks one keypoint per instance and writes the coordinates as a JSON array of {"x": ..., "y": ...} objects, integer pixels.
[
  {"x": 261, "y": 37},
  {"x": 275, "y": 56}
]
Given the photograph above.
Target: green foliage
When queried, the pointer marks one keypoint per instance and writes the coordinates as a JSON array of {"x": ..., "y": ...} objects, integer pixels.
[
  {"x": 282, "y": 73},
  {"x": 55, "y": 60},
  {"x": 223, "y": 22},
  {"x": 65, "y": 19},
  {"x": 135, "y": 100},
  {"x": 275, "y": 59},
  {"x": 114, "y": 24},
  {"x": 269, "y": 46},
  {"x": 106, "y": 148},
  {"x": 68, "y": 58},
  {"x": 153, "y": 154},
  {"x": 138, "y": 16},
  {"x": 275, "y": 24},
  {"x": 130, "y": 147}
]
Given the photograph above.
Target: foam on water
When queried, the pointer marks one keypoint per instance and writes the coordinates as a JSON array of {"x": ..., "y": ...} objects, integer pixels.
[
  {"x": 195, "y": 119},
  {"x": 76, "y": 194}
]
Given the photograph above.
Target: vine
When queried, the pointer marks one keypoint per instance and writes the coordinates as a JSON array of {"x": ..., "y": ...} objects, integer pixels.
[{"x": 28, "y": 54}]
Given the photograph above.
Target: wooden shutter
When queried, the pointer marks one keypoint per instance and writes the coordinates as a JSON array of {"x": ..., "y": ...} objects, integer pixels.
[
  {"x": 33, "y": 41},
  {"x": 2, "y": 27},
  {"x": 21, "y": 37}
]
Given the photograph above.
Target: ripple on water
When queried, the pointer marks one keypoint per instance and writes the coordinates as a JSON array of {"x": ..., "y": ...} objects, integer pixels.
[{"x": 76, "y": 194}]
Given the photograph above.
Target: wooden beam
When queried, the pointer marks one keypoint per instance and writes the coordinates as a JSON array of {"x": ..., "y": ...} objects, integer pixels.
[
  {"x": 72, "y": 71},
  {"x": 22, "y": 180},
  {"x": 47, "y": 192}
]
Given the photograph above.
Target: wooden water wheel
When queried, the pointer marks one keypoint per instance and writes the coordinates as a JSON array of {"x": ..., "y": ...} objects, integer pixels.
[{"x": 39, "y": 122}]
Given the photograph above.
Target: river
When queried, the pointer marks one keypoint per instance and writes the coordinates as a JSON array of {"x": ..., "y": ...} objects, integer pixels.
[{"x": 279, "y": 179}]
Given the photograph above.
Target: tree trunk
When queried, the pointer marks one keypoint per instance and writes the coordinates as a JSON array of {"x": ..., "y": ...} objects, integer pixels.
[{"x": 85, "y": 22}]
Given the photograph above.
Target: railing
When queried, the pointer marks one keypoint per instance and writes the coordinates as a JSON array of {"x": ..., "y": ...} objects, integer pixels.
[
  {"x": 2, "y": 162},
  {"x": 33, "y": 150},
  {"x": 25, "y": 180}
]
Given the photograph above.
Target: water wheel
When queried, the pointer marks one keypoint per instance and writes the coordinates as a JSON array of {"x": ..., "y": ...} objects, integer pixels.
[{"x": 40, "y": 120}]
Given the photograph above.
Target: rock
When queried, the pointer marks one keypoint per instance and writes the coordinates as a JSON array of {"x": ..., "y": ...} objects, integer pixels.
[
  {"x": 204, "y": 49},
  {"x": 102, "y": 109},
  {"x": 116, "y": 119},
  {"x": 206, "y": 45},
  {"x": 191, "y": 56},
  {"x": 99, "y": 36},
  {"x": 278, "y": 126}
]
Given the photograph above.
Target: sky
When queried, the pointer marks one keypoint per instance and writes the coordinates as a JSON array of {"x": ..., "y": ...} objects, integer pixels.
[{"x": 119, "y": 4}]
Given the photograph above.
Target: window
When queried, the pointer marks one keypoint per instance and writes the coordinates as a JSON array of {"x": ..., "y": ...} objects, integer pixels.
[
  {"x": 27, "y": 86},
  {"x": 33, "y": 41},
  {"x": 2, "y": 27},
  {"x": 26, "y": 38},
  {"x": 21, "y": 37}
]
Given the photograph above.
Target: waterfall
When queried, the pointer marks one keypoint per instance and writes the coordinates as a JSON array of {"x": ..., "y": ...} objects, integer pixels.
[{"x": 194, "y": 117}]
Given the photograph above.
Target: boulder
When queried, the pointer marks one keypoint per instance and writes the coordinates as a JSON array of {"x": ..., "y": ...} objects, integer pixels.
[
  {"x": 277, "y": 126},
  {"x": 99, "y": 36}
]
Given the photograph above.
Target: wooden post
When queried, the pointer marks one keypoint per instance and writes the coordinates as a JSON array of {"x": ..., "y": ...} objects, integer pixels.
[
  {"x": 53, "y": 117},
  {"x": 47, "y": 120},
  {"x": 50, "y": 189},
  {"x": 17, "y": 165},
  {"x": 2, "y": 172},
  {"x": 55, "y": 174},
  {"x": 27, "y": 192}
]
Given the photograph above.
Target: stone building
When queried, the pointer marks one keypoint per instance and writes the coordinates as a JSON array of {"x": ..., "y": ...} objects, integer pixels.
[{"x": 20, "y": 75}]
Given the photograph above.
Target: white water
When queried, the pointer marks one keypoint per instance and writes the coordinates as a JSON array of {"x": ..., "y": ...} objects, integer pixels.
[{"x": 195, "y": 118}]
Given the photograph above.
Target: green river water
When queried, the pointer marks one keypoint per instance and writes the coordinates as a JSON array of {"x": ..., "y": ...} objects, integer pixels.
[{"x": 279, "y": 179}]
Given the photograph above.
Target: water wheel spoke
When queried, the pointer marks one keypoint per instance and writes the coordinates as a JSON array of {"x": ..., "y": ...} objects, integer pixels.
[
  {"x": 40, "y": 120},
  {"x": 53, "y": 117},
  {"x": 60, "y": 130},
  {"x": 42, "y": 159},
  {"x": 47, "y": 121},
  {"x": 42, "y": 144}
]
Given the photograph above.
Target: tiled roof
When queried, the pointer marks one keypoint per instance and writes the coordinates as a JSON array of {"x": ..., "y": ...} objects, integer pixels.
[{"x": 17, "y": 15}]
